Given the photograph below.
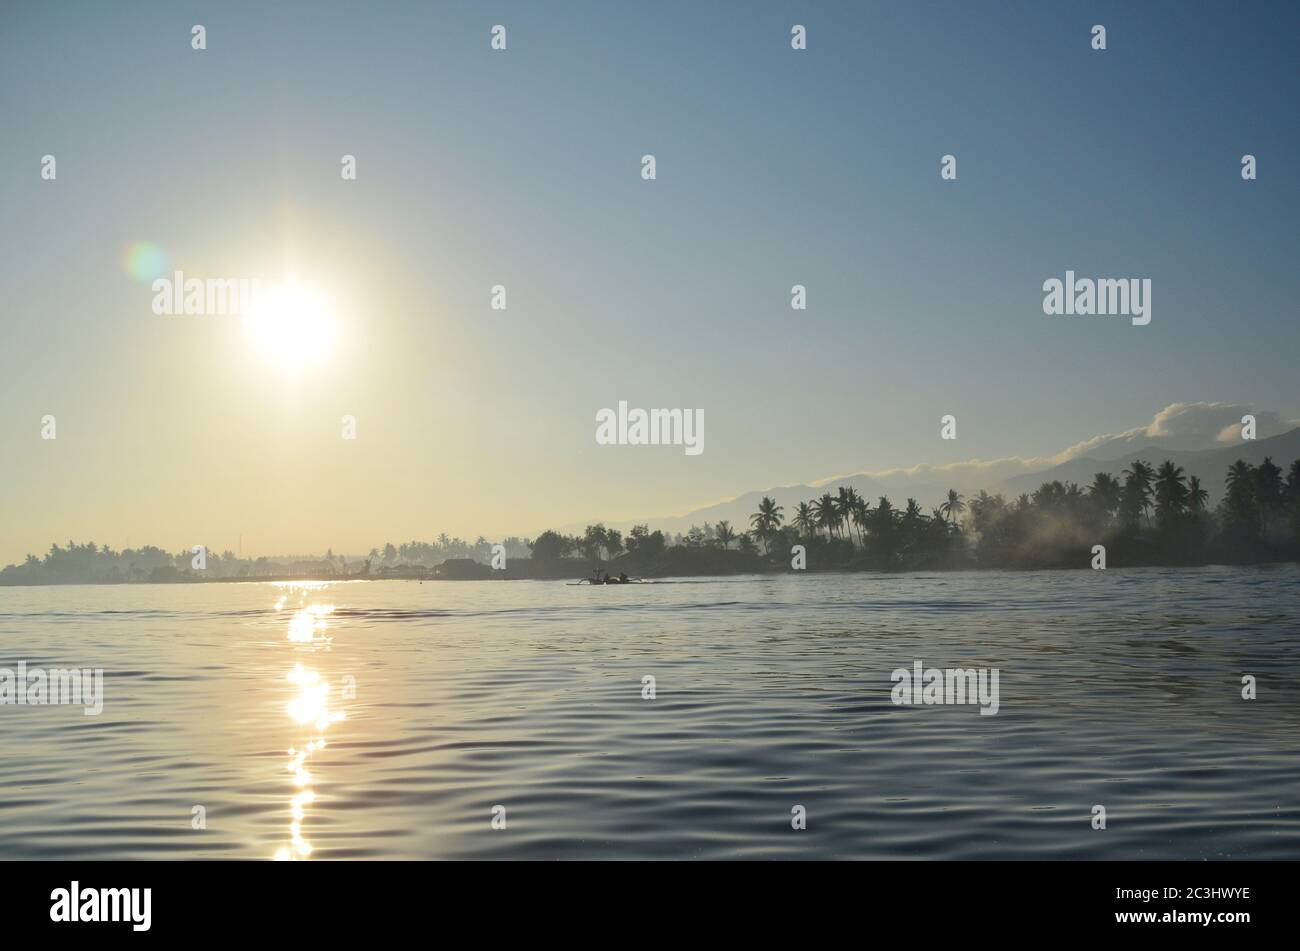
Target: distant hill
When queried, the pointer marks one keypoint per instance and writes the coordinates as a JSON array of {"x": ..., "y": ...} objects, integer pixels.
[
  {"x": 1209, "y": 465},
  {"x": 738, "y": 510},
  {"x": 930, "y": 488}
]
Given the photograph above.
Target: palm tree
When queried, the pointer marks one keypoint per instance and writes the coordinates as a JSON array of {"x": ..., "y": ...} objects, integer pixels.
[
  {"x": 884, "y": 522},
  {"x": 1268, "y": 486},
  {"x": 725, "y": 534},
  {"x": 1171, "y": 493},
  {"x": 911, "y": 522},
  {"x": 1138, "y": 478},
  {"x": 804, "y": 519},
  {"x": 954, "y": 506},
  {"x": 1241, "y": 513},
  {"x": 861, "y": 518},
  {"x": 766, "y": 519},
  {"x": 1196, "y": 496},
  {"x": 844, "y": 504},
  {"x": 1239, "y": 476},
  {"x": 825, "y": 512},
  {"x": 1105, "y": 493}
]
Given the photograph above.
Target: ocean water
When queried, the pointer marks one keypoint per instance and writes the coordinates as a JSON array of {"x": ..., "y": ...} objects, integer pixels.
[{"x": 369, "y": 720}]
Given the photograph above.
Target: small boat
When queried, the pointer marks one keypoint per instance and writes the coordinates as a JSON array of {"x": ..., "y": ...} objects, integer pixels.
[{"x": 600, "y": 577}]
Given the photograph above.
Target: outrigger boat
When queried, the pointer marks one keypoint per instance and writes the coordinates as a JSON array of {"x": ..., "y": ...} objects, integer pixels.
[{"x": 600, "y": 576}]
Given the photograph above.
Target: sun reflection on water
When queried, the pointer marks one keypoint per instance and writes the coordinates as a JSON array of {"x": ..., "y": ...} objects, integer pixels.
[
  {"x": 309, "y": 622},
  {"x": 309, "y": 707}
]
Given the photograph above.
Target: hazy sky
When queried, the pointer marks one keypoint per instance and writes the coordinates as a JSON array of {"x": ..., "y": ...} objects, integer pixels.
[{"x": 522, "y": 168}]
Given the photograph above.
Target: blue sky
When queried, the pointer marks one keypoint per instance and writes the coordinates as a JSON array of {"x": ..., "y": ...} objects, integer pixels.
[{"x": 476, "y": 167}]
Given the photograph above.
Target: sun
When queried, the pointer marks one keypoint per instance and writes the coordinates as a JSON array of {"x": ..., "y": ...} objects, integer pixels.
[{"x": 293, "y": 326}]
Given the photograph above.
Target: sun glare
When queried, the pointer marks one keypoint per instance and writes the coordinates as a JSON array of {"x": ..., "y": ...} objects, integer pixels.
[{"x": 293, "y": 326}]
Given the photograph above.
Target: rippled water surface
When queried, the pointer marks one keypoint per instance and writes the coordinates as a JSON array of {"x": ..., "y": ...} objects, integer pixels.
[{"x": 388, "y": 719}]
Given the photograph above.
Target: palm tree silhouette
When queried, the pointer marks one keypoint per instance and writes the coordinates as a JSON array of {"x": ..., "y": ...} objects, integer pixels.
[
  {"x": 954, "y": 506},
  {"x": 911, "y": 522},
  {"x": 1105, "y": 493},
  {"x": 1241, "y": 479},
  {"x": 1240, "y": 504},
  {"x": 844, "y": 503},
  {"x": 825, "y": 512},
  {"x": 767, "y": 518},
  {"x": 804, "y": 519},
  {"x": 1138, "y": 481},
  {"x": 862, "y": 518},
  {"x": 725, "y": 534},
  {"x": 1171, "y": 493},
  {"x": 1268, "y": 486}
]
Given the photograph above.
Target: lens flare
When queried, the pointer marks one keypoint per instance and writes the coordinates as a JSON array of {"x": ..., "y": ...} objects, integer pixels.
[{"x": 145, "y": 261}]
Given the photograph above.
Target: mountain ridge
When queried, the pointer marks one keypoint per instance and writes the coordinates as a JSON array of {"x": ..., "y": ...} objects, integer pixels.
[{"x": 1209, "y": 465}]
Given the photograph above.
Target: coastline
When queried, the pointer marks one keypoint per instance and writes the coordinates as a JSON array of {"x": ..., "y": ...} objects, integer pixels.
[{"x": 489, "y": 574}]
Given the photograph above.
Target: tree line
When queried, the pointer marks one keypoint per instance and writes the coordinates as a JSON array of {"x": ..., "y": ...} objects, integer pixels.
[
  {"x": 1146, "y": 515},
  {"x": 89, "y": 563}
]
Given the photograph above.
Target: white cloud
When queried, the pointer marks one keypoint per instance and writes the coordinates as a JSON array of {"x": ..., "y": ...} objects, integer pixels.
[
  {"x": 1182, "y": 426},
  {"x": 1188, "y": 426},
  {"x": 972, "y": 468}
]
